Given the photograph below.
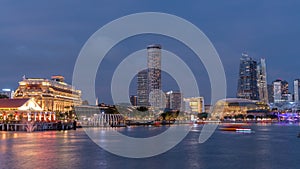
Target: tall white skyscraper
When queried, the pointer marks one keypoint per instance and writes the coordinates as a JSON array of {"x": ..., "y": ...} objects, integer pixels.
[
  {"x": 296, "y": 89},
  {"x": 262, "y": 81},
  {"x": 154, "y": 76}
]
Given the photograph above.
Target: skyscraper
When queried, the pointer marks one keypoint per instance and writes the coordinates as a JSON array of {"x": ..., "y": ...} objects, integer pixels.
[
  {"x": 296, "y": 89},
  {"x": 247, "y": 83},
  {"x": 174, "y": 100},
  {"x": 154, "y": 75},
  {"x": 277, "y": 91},
  {"x": 281, "y": 91},
  {"x": 262, "y": 81},
  {"x": 142, "y": 88},
  {"x": 270, "y": 93}
]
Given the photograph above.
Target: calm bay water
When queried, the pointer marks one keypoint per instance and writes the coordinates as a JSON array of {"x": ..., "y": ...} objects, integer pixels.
[{"x": 270, "y": 147}]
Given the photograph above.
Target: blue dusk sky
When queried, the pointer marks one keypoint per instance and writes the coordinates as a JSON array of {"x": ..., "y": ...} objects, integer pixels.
[{"x": 43, "y": 38}]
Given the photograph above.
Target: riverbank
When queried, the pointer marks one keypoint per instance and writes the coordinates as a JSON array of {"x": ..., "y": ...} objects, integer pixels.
[{"x": 37, "y": 126}]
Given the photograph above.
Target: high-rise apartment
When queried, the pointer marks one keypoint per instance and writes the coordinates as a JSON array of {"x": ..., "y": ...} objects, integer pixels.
[
  {"x": 262, "y": 81},
  {"x": 154, "y": 76},
  {"x": 247, "y": 83},
  {"x": 296, "y": 89},
  {"x": 174, "y": 100},
  {"x": 142, "y": 88},
  {"x": 281, "y": 91}
]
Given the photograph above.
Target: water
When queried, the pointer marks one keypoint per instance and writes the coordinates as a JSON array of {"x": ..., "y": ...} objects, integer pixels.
[{"x": 270, "y": 147}]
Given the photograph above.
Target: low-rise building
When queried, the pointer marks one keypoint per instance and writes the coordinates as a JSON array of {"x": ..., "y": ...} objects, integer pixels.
[{"x": 51, "y": 95}]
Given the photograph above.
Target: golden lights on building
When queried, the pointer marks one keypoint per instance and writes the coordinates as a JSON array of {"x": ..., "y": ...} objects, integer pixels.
[
  {"x": 194, "y": 104},
  {"x": 52, "y": 95},
  {"x": 232, "y": 107}
]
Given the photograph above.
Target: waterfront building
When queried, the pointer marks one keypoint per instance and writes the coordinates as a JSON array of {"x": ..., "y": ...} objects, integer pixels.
[
  {"x": 154, "y": 76},
  {"x": 296, "y": 90},
  {"x": 247, "y": 82},
  {"x": 51, "y": 95},
  {"x": 262, "y": 81},
  {"x": 194, "y": 104},
  {"x": 241, "y": 108},
  {"x": 174, "y": 100},
  {"x": 133, "y": 100},
  {"x": 18, "y": 109},
  {"x": 142, "y": 88}
]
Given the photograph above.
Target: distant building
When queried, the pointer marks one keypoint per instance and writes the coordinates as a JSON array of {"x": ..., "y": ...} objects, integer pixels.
[
  {"x": 52, "y": 95},
  {"x": 270, "y": 93},
  {"x": 154, "y": 76},
  {"x": 194, "y": 104},
  {"x": 296, "y": 90},
  {"x": 262, "y": 81},
  {"x": 233, "y": 107},
  {"x": 277, "y": 91},
  {"x": 142, "y": 89},
  {"x": 174, "y": 100},
  {"x": 133, "y": 100},
  {"x": 247, "y": 82},
  {"x": 207, "y": 108},
  {"x": 281, "y": 91},
  {"x": 7, "y": 92}
]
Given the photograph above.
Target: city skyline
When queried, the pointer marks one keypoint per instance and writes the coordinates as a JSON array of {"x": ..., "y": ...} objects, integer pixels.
[{"x": 34, "y": 38}]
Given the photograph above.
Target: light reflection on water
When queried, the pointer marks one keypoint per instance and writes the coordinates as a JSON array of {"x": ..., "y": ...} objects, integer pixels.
[{"x": 273, "y": 147}]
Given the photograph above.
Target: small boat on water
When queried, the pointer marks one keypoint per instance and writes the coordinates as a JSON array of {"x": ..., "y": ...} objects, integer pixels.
[{"x": 236, "y": 127}]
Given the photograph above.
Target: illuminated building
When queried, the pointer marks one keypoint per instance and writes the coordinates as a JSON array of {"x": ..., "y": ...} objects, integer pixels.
[
  {"x": 247, "y": 83},
  {"x": 142, "y": 88},
  {"x": 174, "y": 100},
  {"x": 52, "y": 95},
  {"x": 18, "y": 109},
  {"x": 194, "y": 104},
  {"x": 7, "y": 92},
  {"x": 133, "y": 100},
  {"x": 270, "y": 93},
  {"x": 281, "y": 91},
  {"x": 262, "y": 81},
  {"x": 296, "y": 89},
  {"x": 233, "y": 107},
  {"x": 154, "y": 76}
]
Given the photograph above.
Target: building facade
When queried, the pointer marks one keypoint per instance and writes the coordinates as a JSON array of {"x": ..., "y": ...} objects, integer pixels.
[
  {"x": 296, "y": 89},
  {"x": 231, "y": 107},
  {"x": 142, "y": 88},
  {"x": 8, "y": 93},
  {"x": 262, "y": 81},
  {"x": 270, "y": 93},
  {"x": 52, "y": 95},
  {"x": 247, "y": 82},
  {"x": 154, "y": 76},
  {"x": 194, "y": 104},
  {"x": 277, "y": 91},
  {"x": 281, "y": 91},
  {"x": 133, "y": 100},
  {"x": 174, "y": 100}
]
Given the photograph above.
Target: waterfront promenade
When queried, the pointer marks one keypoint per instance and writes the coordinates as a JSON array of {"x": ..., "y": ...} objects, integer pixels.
[
  {"x": 272, "y": 146},
  {"x": 37, "y": 126}
]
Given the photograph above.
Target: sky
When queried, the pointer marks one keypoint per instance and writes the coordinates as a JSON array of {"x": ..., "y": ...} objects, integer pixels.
[{"x": 44, "y": 38}]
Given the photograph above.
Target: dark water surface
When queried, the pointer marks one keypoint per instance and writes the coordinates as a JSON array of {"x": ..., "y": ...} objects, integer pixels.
[{"x": 270, "y": 147}]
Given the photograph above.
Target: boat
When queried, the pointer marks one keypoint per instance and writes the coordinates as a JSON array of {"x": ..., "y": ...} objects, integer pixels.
[{"x": 236, "y": 127}]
